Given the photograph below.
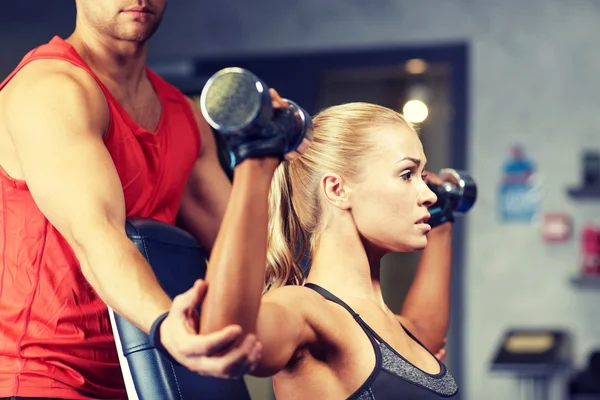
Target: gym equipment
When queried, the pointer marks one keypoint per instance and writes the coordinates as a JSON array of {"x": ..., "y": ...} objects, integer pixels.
[
  {"x": 455, "y": 196},
  {"x": 534, "y": 357},
  {"x": 589, "y": 188},
  {"x": 238, "y": 105},
  {"x": 178, "y": 261},
  {"x": 585, "y": 383}
]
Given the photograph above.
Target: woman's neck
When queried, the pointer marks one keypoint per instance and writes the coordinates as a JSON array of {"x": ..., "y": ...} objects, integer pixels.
[{"x": 341, "y": 265}]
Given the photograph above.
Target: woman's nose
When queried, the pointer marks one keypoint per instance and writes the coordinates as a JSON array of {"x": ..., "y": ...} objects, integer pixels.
[{"x": 428, "y": 197}]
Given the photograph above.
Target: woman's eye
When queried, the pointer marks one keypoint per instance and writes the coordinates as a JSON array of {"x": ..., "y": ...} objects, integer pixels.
[{"x": 406, "y": 176}]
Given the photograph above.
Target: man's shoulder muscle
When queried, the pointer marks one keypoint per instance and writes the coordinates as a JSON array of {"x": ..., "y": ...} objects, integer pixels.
[
  {"x": 50, "y": 81},
  {"x": 43, "y": 90}
]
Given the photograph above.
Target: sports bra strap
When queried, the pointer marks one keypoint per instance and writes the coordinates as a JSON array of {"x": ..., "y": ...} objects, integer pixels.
[{"x": 331, "y": 297}]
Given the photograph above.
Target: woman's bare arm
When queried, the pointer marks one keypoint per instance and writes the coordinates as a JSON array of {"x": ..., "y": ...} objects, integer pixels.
[{"x": 236, "y": 274}]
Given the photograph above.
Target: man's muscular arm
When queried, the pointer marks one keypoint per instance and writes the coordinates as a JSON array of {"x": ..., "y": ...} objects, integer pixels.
[
  {"x": 56, "y": 116},
  {"x": 207, "y": 191}
]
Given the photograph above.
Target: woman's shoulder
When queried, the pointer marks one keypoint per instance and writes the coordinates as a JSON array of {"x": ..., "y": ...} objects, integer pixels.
[
  {"x": 304, "y": 301},
  {"x": 295, "y": 295},
  {"x": 308, "y": 305}
]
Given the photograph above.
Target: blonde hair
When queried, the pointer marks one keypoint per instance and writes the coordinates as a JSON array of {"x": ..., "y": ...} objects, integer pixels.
[{"x": 342, "y": 135}]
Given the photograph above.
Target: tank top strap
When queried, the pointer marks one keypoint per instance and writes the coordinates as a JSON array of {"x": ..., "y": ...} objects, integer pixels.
[
  {"x": 59, "y": 49},
  {"x": 173, "y": 95},
  {"x": 168, "y": 91}
]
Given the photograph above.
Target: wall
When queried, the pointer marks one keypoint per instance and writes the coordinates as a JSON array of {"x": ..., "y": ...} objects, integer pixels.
[
  {"x": 533, "y": 76},
  {"x": 24, "y": 25}
]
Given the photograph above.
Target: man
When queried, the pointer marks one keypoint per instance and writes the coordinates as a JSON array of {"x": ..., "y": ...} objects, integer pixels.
[{"x": 89, "y": 136}]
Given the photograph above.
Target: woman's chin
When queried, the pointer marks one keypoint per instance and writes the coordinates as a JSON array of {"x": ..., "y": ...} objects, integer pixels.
[
  {"x": 419, "y": 243},
  {"x": 416, "y": 245}
]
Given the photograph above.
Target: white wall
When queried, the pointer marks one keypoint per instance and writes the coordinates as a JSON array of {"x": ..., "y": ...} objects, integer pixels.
[{"x": 534, "y": 70}]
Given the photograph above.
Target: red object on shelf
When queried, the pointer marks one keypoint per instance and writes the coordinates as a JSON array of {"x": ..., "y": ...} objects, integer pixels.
[
  {"x": 557, "y": 227},
  {"x": 590, "y": 248}
]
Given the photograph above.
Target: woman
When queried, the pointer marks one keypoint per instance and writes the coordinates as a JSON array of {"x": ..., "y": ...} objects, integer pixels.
[{"x": 359, "y": 192}]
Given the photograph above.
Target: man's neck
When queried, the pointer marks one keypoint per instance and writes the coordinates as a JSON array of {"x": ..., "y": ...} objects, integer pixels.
[{"x": 115, "y": 62}]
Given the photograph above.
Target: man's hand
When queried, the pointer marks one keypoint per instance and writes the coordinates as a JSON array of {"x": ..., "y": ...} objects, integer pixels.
[{"x": 216, "y": 354}]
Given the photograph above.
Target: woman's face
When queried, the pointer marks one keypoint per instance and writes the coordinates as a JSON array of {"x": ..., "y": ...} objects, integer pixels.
[{"x": 390, "y": 202}]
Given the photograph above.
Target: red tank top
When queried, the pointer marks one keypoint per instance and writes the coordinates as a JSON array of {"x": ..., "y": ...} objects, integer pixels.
[{"x": 55, "y": 333}]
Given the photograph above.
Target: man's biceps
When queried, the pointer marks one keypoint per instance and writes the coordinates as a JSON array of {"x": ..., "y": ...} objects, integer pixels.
[
  {"x": 76, "y": 202},
  {"x": 77, "y": 165},
  {"x": 77, "y": 197}
]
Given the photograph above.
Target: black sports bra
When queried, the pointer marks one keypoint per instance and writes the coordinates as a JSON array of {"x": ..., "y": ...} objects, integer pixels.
[{"x": 393, "y": 377}]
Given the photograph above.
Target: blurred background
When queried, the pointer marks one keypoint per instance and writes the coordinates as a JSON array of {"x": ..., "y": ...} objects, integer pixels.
[{"x": 507, "y": 90}]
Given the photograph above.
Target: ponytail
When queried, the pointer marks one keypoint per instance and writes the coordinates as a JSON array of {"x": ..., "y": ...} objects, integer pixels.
[
  {"x": 342, "y": 137},
  {"x": 287, "y": 240}
]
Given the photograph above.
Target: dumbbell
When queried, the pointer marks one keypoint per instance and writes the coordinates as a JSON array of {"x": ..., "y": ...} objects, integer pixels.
[
  {"x": 455, "y": 196},
  {"x": 236, "y": 103}
]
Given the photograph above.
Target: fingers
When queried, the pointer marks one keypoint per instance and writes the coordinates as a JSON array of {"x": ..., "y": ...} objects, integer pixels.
[
  {"x": 243, "y": 359},
  {"x": 188, "y": 300},
  {"x": 234, "y": 363},
  {"x": 216, "y": 354},
  {"x": 433, "y": 178},
  {"x": 278, "y": 101},
  {"x": 212, "y": 343}
]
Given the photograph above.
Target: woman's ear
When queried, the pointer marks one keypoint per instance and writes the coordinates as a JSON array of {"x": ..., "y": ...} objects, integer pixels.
[{"x": 336, "y": 191}]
